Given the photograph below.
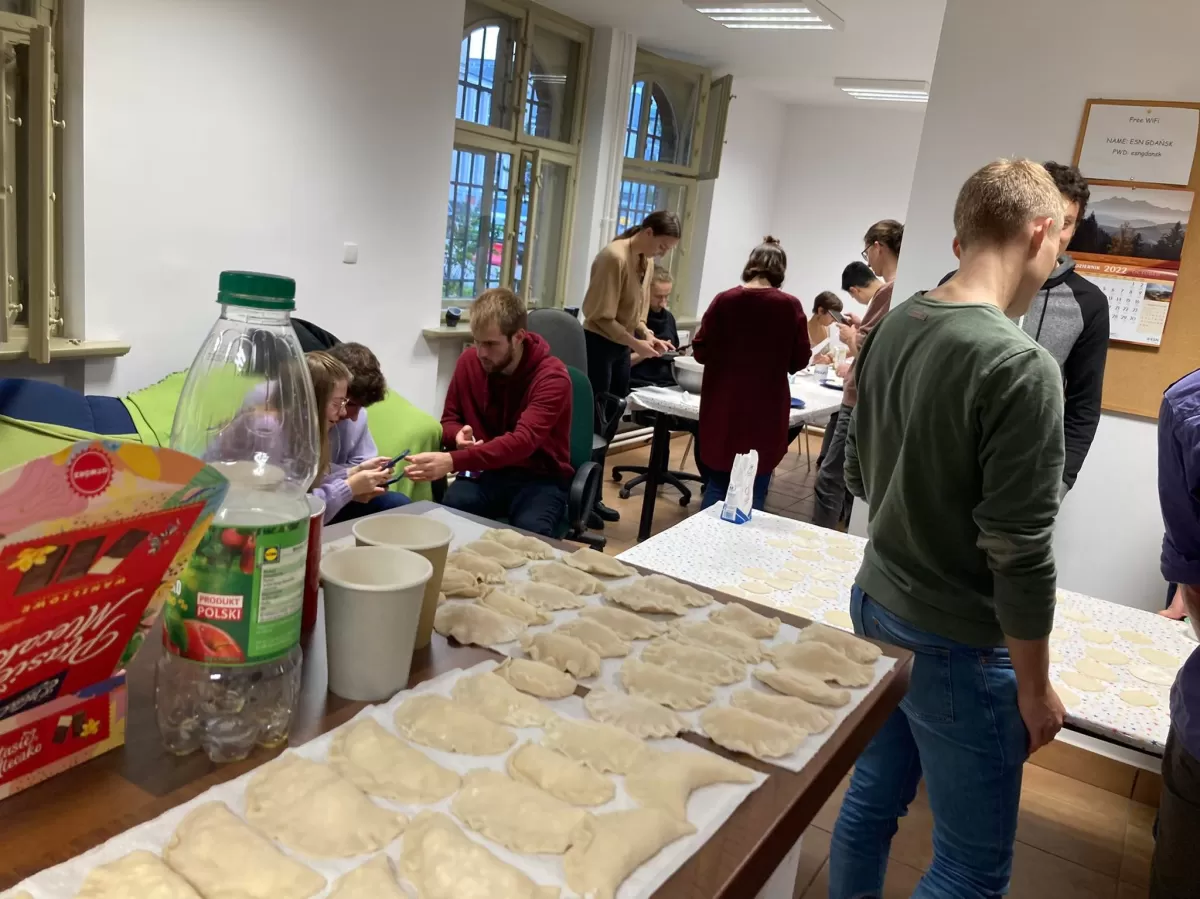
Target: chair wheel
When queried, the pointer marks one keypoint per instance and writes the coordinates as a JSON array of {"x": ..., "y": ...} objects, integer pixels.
[
  {"x": 616, "y": 476},
  {"x": 684, "y": 500},
  {"x": 623, "y": 493}
]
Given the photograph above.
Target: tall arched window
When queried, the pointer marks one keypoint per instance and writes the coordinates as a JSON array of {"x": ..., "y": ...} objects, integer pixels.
[
  {"x": 515, "y": 151},
  {"x": 651, "y": 124},
  {"x": 673, "y": 133}
]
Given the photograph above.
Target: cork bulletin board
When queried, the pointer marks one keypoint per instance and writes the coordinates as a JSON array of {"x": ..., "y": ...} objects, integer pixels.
[{"x": 1131, "y": 140}]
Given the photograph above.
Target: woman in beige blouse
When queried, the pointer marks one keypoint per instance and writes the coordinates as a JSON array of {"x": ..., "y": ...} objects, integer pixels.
[{"x": 618, "y": 298}]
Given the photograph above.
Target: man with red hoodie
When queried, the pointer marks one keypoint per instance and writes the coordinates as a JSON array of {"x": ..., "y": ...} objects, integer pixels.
[{"x": 508, "y": 419}]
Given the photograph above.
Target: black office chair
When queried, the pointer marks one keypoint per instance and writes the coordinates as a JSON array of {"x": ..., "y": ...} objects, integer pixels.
[
  {"x": 670, "y": 477},
  {"x": 564, "y": 333}
]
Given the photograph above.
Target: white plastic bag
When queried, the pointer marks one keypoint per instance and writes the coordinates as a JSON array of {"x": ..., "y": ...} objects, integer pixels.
[{"x": 739, "y": 499}]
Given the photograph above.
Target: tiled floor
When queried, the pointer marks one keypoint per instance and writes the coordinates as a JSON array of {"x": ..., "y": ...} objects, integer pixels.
[{"x": 1083, "y": 836}]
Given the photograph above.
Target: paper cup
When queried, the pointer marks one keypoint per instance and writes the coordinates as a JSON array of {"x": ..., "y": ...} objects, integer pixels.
[
  {"x": 372, "y": 607},
  {"x": 312, "y": 565},
  {"x": 426, "y": 537}
]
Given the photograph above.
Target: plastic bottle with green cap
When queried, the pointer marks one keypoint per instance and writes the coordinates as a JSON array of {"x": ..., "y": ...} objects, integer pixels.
[{"x": 229, "y": 676}]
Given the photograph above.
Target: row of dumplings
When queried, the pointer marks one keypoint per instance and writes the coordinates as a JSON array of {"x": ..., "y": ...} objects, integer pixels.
[
  {"x": 686, "y": 660},
  {"x": 538, "y": 805}
]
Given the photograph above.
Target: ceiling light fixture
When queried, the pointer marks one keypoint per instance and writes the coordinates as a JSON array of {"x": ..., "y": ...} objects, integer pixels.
[
  {"x": 765, "y": 15},
  {"x": 884, "y": 90}
]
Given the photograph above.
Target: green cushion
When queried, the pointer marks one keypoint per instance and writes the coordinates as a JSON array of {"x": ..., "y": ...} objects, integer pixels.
[
  {"x": 397, "y": 425},
  {"x": 153, "y": 408},
  {"x": 23, "y": 441}
]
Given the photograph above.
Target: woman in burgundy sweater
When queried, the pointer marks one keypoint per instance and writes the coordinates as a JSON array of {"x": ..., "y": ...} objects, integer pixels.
[{"x": 751, "y": 338}]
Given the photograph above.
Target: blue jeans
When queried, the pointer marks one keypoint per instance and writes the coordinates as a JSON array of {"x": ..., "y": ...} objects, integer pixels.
[
  {"x": 526, "y": 500},
  {"x": 716, "y": 485},
  {"x": 381, "y": 503},
  {"x": 960, "y": 727}
]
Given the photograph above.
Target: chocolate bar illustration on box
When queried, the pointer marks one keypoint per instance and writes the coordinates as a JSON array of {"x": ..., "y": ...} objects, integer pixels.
[
  {"x": 78, "y": 720},
  {"x": 63, "y": 730},
  {"x": 80, "y": 560},
  {"x": 39, "y": 576},
  {"x": 118, "y": 552}
]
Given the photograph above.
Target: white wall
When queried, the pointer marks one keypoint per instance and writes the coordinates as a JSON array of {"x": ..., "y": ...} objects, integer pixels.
[
  {"x": 223, "y": 134},
  {"x": 743, "y": 197},
  {"x": 989, "y": 100},
  {"x": 843, "y": 169}
]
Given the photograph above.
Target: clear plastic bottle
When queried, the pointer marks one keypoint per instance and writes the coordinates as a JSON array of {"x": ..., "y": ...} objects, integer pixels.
[{"x": 229, "y": 675}]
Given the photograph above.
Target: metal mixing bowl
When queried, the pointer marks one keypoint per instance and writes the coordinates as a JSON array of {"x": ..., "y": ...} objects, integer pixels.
[{"x": 689, "y": 373}]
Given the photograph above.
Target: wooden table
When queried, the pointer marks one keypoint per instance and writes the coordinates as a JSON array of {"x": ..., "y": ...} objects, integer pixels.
[{"x": 81, "y": 808}]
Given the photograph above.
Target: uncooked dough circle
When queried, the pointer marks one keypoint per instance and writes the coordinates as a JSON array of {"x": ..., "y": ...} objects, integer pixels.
[
  {"x": 757, "y": 574},
  {"x": 731, "y": 590},
  {"x": 1059, "y": 634},
  {"x": 806, "y": 540},
  {"x": 1076, "y": 615},
  {"x": 1055, "y": 655},
  {"x": 841, "y": 619},
  {"x": 1135, "y": 637},
  {"x": 1081, "y": 682},
  {"x": 778, "y": 583},
  {"x": 1098, "y": 670},
  {"x": 798, "y": 566},
  {"x": 1067, "y": 696},
  {"x": 1152, "y": 674},
  {"x": 780, "y": 544},
  {"x": 1091, "y": 635},
  {"x": 792, "y": 577},
  {"x": 804, "y": 601},
  {"x": 826, "y": 575},
  {"x": 756, "y": 587},
  {"x": 1160, "y": 658},
  {"x": 839, "y": 552},
  {"x": 807, "y": 555},
  {"x": 1107, "y": 655},
  {"x": 1139, "y": 698},
  {"x": 823, "y": 592}
]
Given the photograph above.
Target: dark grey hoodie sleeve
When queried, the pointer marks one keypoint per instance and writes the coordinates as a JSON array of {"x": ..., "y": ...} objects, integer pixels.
[{"x": 1083, "y": 374}]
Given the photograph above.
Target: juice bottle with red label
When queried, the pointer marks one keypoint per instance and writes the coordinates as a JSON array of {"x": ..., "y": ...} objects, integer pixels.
[{"x": 230, "y": 675}]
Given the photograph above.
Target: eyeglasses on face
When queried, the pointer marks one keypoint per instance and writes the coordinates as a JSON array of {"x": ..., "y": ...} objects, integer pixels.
[{"x": 339, "y": 403}]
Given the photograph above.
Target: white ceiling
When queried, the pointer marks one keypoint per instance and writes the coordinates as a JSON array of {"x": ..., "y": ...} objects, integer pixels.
[{"x": 883, "y": 39}]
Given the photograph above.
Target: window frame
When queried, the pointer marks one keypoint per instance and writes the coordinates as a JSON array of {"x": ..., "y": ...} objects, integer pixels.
[
  {"x": 531, "y": 17},
  {"x": 699, "y": 168},
  {"x": 525, "y": 148},
  {"x": 41, "y": 220},
  {"x": 646, "y": 66}
]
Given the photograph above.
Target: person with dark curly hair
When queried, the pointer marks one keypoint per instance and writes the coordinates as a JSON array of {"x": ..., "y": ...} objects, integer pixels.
[
  {"x": 352, "y": 449},
  {"x": 1069, "y": 318}
]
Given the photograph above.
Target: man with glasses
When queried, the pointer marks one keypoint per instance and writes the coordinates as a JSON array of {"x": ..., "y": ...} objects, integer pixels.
[
  {"x": 508, "y": 419},
  {"x": 882, "y": 253},
  {"x": 353, "y": 454}
]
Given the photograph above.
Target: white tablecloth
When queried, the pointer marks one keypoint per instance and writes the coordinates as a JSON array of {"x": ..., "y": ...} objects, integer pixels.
[
  {"x": 708, "y": 551},
  {"x": 819, "y": 402}
]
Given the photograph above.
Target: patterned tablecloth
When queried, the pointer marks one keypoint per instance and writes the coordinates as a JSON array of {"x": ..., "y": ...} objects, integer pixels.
[
  {"x": 819, "y": 402},
  {"x": 1112, "y": 665}
]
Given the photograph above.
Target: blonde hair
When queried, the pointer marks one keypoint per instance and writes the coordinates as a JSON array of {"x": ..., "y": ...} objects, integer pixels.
[
  {"x": 325, "y": 372},
  {"x": 501, "y": 306},
  {"x": 1002, "y": 198}
]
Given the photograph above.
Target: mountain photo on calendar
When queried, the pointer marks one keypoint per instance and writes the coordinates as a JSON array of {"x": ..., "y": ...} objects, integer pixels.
[{"x": 1134, "y": 225}]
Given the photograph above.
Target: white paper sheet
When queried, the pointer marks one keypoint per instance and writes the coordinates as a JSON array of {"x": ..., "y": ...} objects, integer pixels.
[{"x": 708, "y": 809}]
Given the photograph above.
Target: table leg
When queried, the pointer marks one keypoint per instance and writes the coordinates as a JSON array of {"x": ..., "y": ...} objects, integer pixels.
[{"x": 660, "y": 450}]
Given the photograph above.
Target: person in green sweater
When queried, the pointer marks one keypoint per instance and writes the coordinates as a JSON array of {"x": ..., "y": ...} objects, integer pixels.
[{"x": 956, "y": 445}]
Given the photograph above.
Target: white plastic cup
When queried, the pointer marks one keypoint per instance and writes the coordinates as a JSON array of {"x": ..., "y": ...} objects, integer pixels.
[
  {"x": 373, "y": 598},
  {"x": 426, "y": 537}
]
